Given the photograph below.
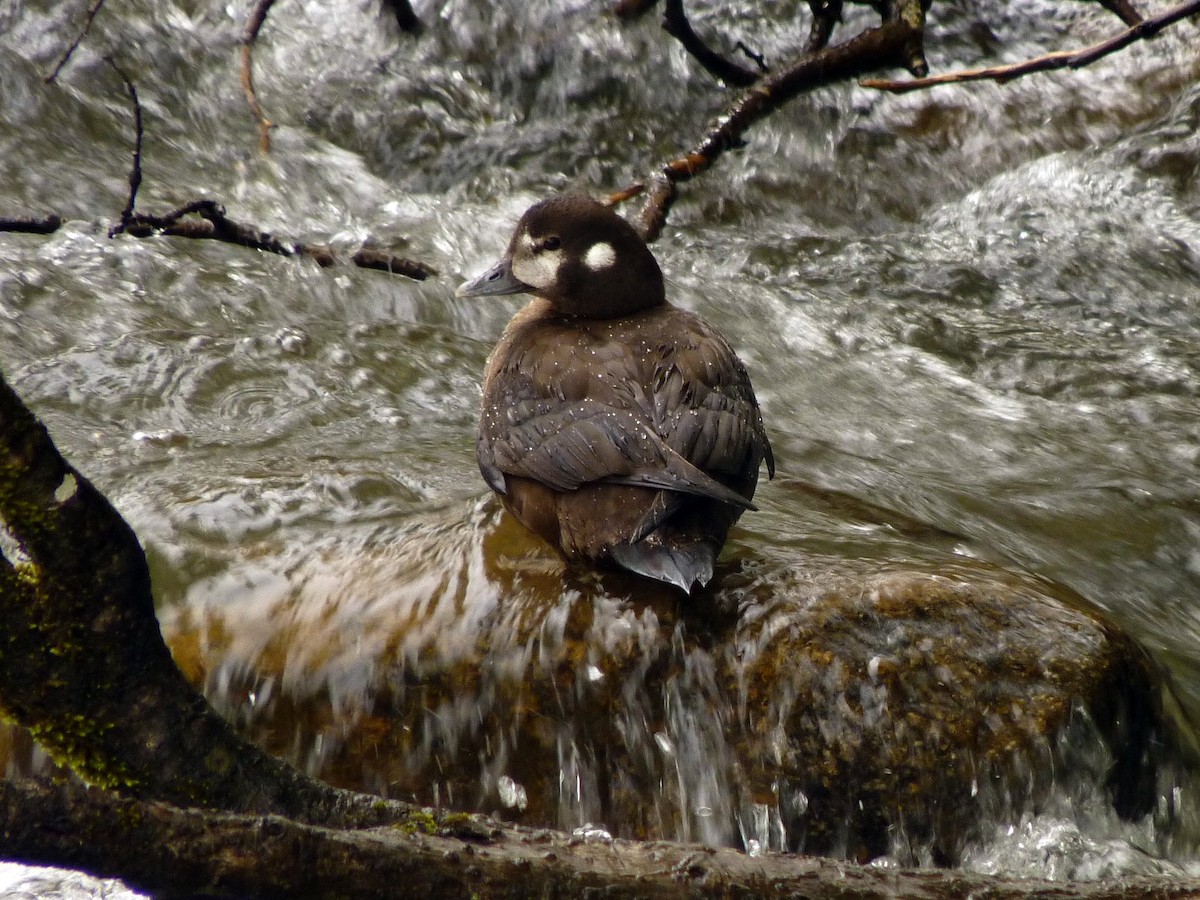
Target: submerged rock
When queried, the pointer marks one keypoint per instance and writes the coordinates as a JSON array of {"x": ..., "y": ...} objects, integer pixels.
[{"x": 830, "y": 706}]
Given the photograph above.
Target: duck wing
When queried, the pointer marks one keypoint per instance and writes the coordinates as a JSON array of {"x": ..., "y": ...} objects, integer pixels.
[
  {"x": 703, "y": 404},
  {"x": 567, "y": 443}
]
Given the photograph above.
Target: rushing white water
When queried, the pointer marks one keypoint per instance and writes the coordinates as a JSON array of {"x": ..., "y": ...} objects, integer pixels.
[{"x": 974, "y": 310}]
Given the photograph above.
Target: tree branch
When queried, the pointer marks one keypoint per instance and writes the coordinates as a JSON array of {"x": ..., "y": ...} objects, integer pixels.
[
  {"x": 1063, "y": 59},
  {"x": 83, "y": 33},
  {"x": 1125, "y": 10},
  {"x": 254, "y": 24},
  {"x": 676, "y": 24},
  {"x": 161, "y": 848},
  {"x": 83, "y": 664},
  {"x": 370, "y": 258},
  {"x": 214, "y": 224},
  {"x": 135, "y": 170},
  {"x": 889, "y": 45},
  {"x": 30, "y": 225}
]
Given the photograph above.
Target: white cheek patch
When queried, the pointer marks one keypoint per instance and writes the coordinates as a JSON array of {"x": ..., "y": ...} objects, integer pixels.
[
  {"x": 599, "y": 256},
  {"x": 539, "y": 270}
]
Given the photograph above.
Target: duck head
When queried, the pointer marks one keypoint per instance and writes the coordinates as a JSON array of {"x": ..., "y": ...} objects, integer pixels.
[{"x": 580, "y": 256}]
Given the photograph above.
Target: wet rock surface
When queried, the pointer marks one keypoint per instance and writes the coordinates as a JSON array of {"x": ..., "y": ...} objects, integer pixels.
[{"x": 832, "y": 707}]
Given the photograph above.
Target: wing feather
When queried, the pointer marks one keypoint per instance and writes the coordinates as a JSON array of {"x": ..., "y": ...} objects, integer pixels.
[{"x": 607, "y": 406}]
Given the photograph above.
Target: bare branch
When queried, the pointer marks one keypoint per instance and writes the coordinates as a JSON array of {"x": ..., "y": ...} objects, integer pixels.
[
  {"x": 912, "y": 14},
  {"x": 255, "y": 23},
  {"x": 890, "y": 45},
  {"x": 1123, "y": 8},
  {"x": 214, "y": 224},
  {"x": 1062, "y": 59},
  {"x": 87, "y": 26},
  {"x": 135, "y": 171},
  {"x": 163, "y": 849},
  {"x": 825, "y": 15},
  {"x": 369, "y": 258},
  {"x": 755, "y": 57},
  {"x": 676, "y": 24},
  {"x": 29, "y": 225}
]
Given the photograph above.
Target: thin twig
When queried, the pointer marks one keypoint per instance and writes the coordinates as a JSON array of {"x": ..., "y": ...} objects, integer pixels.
[
  {"x": 636, "y": 189},
  {"x": 87, "y": 26},
  {"x": 757, "y": 58},
  {"x": 676, "y": 24},
  {"x": 1062, "y": 59},
  {"x": 258, "y": 16},
  {"x": 29, "y": 225},
  {"x": 889, "y": 45},
  {"x": 135, "y": 171}
]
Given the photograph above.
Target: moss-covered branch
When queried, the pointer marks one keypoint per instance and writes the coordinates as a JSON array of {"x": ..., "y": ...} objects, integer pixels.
[
  {"x": 163, "y": 848},
  {"x": 82, "y": 662}
]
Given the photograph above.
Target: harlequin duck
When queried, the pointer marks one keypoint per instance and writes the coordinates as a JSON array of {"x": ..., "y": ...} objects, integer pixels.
[{"x": 620, "y": 428}]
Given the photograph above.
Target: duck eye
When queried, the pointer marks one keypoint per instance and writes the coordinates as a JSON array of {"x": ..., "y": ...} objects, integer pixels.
[{"x": 551, "y": 243}]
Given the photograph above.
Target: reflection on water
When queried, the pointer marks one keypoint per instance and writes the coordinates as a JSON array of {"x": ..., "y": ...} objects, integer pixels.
[{"x": 971, "y": 316}]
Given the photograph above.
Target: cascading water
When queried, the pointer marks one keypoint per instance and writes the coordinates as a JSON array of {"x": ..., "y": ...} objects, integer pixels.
[{"x": 970, "y": 315}]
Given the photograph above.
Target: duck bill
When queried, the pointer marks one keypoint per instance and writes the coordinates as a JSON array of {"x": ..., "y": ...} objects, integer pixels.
[{"x": 497, "y": 280}]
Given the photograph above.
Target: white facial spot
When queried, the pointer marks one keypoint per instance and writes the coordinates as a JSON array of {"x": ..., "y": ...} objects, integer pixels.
[
  {"x": 539, "y": 271},
  {"x": 535, "y": 266},
  {"x": 599, "y": 256}
]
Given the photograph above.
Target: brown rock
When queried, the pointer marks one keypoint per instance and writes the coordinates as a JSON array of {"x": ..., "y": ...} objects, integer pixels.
[{"x": 835, "y": 707}]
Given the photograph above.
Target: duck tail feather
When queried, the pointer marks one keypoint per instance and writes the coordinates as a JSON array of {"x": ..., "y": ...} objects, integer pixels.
[{"x": 687, "y": 568}]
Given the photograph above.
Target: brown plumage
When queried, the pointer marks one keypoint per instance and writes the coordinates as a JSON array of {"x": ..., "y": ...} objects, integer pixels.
[{"x": 620, "y": 428}]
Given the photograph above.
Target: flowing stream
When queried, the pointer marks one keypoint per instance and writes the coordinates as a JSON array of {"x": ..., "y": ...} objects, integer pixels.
[{"x": 971, "y": 314}]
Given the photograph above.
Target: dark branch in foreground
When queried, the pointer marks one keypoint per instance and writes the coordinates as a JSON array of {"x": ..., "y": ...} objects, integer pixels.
[
  {"x": 161, "y": 848},
  {"x": 82, "y": 661},
  {"x": 83, "y": 33},
  {"x": 253, "y": 25},
  {"x": 1064, "y": 59}
]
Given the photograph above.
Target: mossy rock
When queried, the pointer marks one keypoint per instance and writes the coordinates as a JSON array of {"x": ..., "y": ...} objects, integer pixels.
[{"x": 841, "y": 707}]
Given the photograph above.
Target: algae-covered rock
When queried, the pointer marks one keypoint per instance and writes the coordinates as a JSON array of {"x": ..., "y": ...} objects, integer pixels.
[
  {"x": 830, "y": 706},
  {"x": 913, "y": 708}
]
